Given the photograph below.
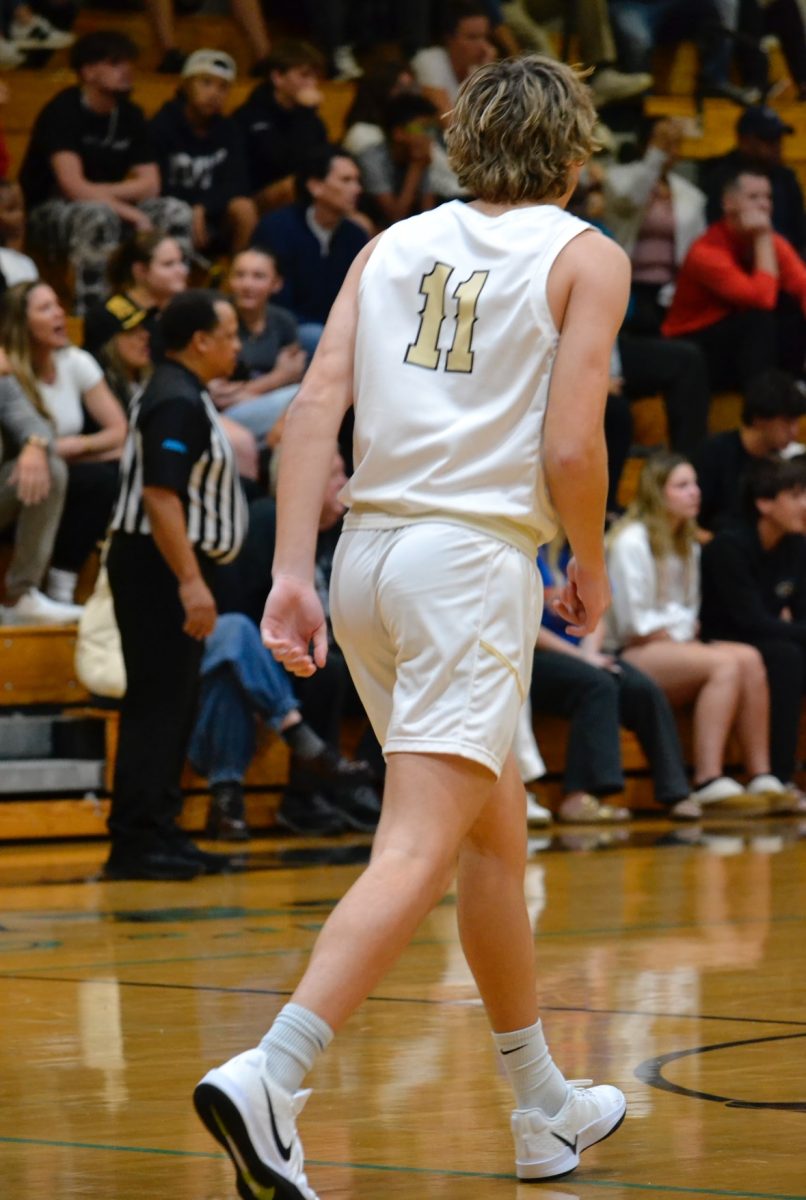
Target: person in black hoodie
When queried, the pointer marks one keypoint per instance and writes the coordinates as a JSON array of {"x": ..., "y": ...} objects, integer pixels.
[
  {"x": 754, "y": 590},
  {"x": 280, "y": 122},
  {"x": 201, "y": 154}
]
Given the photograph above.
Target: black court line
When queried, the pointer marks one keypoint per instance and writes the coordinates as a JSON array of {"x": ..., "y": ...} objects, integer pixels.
[
  {"x": 439, "y": 1172},
  {"x": 468, "y": 1002}
]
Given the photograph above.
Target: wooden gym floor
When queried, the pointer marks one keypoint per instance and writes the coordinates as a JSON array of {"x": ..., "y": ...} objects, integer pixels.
[{"x": 673, "y": 964}]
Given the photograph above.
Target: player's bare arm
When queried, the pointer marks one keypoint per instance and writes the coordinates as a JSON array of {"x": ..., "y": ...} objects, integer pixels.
[
  {"x": 588, "y": 290},
  {"x": 293, "y": 617}
]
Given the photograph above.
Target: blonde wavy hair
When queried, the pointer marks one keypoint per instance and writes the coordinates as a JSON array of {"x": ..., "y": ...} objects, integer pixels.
[
  {"x": 518, "y": 128},
  {"x": 15, "y": 338},
  {"x": 649, "y": 508}
]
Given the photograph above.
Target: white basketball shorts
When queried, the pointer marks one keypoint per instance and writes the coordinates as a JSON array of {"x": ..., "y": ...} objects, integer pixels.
[{"x": 438, "y": 625}]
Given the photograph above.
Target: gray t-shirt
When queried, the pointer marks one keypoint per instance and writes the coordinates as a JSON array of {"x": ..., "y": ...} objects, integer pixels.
[{"x": 259, "y": 350}]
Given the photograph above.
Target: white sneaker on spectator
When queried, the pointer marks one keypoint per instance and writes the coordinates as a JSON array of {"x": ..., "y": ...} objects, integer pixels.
[
  {"x": 610, "y": 86},
  {"x": 718, "y": 789},
  {"x": 549, "y": 1146},
  {"x": 39, "y": 34},
  {"x": 34, "y": 608},
  {"x": 255, "y": 1121},
  {"x": 61, "y": 585},
  {"x": 537, "y": 814},
  {"x": 765, "y": 785},
  {"x": 10, "y": 55},
  {"x": 346, "y": 66},
  {"x": 687, "y": 809}
]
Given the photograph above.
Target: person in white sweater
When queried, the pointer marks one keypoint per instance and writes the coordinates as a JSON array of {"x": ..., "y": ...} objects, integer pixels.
[{"x": 654, "y": 567}]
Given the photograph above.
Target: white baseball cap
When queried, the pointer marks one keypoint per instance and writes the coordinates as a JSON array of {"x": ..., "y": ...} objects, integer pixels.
[{"x": 210, "y": 62}]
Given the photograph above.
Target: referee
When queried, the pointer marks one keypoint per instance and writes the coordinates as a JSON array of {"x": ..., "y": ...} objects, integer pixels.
[{"x": 178, "y": 512}]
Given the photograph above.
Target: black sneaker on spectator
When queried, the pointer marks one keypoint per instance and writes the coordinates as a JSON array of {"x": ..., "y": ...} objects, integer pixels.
[
  {"x": 360, "y": 807},
  {"x": 309, "y": 814},
  {"x": 226, "y": 819}
]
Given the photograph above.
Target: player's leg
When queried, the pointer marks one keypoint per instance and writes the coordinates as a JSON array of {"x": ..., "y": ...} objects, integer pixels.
[
  {"x": 250, "y": 1104},
  {"x": 554, "y": 1121}
]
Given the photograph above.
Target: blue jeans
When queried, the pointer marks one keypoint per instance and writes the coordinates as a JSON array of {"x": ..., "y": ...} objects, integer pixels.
[
  {"x": 261, "y": 413},
  {"x": 640, "y": 25},
  {"x": 239, "y": 680}
]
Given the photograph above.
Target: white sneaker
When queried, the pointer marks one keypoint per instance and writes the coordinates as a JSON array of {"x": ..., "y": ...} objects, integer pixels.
[
  {"x": 39, "y": 34},
  {"x": 256, "y": 1123},
  {"x": 610, "y": 86},
  {"x": 765, "y": 785},
  {"x": 346, "y": 66},
  {"x": 548, "y": 1146},
  {"x": 34, "y": 608},
  {"x": 61, "y": 585},
  {"x": 537, "y": 814},
  {"x": 10, "y": 55},
  {"x": 722, "y": 788}
]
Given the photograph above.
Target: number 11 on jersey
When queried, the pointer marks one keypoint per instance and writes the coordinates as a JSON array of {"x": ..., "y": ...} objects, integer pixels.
[{"x": 424, "y": 351}]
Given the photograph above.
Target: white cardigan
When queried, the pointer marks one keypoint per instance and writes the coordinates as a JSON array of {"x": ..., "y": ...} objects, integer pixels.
[
  {"x": 637, "y": 610},
  {"x": 627, "y": 190}
]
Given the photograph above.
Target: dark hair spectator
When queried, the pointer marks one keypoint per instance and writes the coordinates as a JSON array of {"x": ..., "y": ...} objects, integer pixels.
[
  {"x": 102, "y": 45},
  {"x": 773, "y": 393}
]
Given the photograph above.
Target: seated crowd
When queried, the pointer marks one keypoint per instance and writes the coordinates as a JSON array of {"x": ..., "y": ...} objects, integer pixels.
[{"x": 132, "y": 213}]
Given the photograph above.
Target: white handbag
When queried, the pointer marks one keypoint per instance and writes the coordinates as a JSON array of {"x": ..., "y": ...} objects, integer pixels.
[{"x": 99, "y": 657}]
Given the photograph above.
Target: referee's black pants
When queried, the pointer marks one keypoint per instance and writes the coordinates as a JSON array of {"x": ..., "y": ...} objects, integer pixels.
[{"x": 162, "y": 677}]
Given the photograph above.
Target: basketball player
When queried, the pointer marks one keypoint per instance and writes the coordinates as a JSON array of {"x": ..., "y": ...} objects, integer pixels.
[{"x": 475, "y": 343}]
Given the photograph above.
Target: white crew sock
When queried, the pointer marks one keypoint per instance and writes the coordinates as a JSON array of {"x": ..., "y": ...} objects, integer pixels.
[
  {"x": 293, "y": 1044},
  {"x": 536, "y": 1081}
]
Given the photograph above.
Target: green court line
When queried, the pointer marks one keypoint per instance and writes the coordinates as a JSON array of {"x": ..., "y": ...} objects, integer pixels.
[{"x": 666, "y": 1189}]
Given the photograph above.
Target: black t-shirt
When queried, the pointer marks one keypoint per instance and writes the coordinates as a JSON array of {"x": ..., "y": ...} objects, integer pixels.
[
  {"x": 208, "y": 169},
  {"x": 108, "y": 144},
  {"x": 278, "y": 139},
  {"x": 722, "y": 465},
  {"x": 746, "y": 588}
]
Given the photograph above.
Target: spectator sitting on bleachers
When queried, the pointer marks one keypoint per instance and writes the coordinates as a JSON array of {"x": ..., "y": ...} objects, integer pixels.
[
  {"x": 655, "y": 214},
  {"x": 89, "y": 173},
  {"x": 67, "y": 387},
  {"x": 759, "y": 134},
  {"x": 754, "y": 591},
  {"x": 271, "y": 362},
  {"x": 241, "y": 681},
  {"x": 33, "y": 483},
  {"x": 598, "y": 693},
  {"x": 280, "y": 122},
  {"x": 641, "y": 25},
  {"x": 466, "y": 46},
  {"x": 308, "y": 806},
  {"x": 784, "y": 20},
  {"x": 247, "y": 13},
  {"x": 201, "y": 155},
  {"x": 148, "y": 270},
  {"x": 772, "y": 408},
  {"x": 16, "y": 266},
  {"x": 592, "y": 25},
  {"x": 315, "y": 240},
  {"x": 383, "y": 82},
  {"x": 395, "y": 173},
  {"x": 729, "y": 287},
  {"x": 116, "y": 335},
  {"x": 654, "y": 567}
]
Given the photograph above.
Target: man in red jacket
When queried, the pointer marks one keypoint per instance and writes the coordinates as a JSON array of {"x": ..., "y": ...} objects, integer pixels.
[{"x": 741, "y": 284}]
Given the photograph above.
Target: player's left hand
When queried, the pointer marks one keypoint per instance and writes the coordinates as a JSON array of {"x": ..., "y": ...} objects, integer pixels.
[{"x": 292, "y": 619}]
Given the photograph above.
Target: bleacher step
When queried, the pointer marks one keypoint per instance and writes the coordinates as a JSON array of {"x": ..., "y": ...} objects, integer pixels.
[{"x": 21, "y": 777}]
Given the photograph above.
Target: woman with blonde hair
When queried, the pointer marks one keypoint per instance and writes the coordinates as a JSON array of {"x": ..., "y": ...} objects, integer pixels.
[
  {"x": 654, "y": 566},
  {"x": 66, "y": 387}
]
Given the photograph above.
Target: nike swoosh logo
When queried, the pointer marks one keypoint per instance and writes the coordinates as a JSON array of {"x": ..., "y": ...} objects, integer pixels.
[
  {"x": 565, "y": 1142},
  {"x": 256, "y": 1189},
  {"x": 285, "y": 1151},
  {"x": 514, "y": 1049}
]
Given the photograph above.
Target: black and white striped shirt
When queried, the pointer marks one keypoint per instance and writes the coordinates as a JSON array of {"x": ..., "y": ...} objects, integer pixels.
[{"x": 176, "y": 441}]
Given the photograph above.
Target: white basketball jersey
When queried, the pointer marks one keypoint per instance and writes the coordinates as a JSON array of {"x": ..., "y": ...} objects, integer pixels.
[{"x": 454, "y": 350}]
